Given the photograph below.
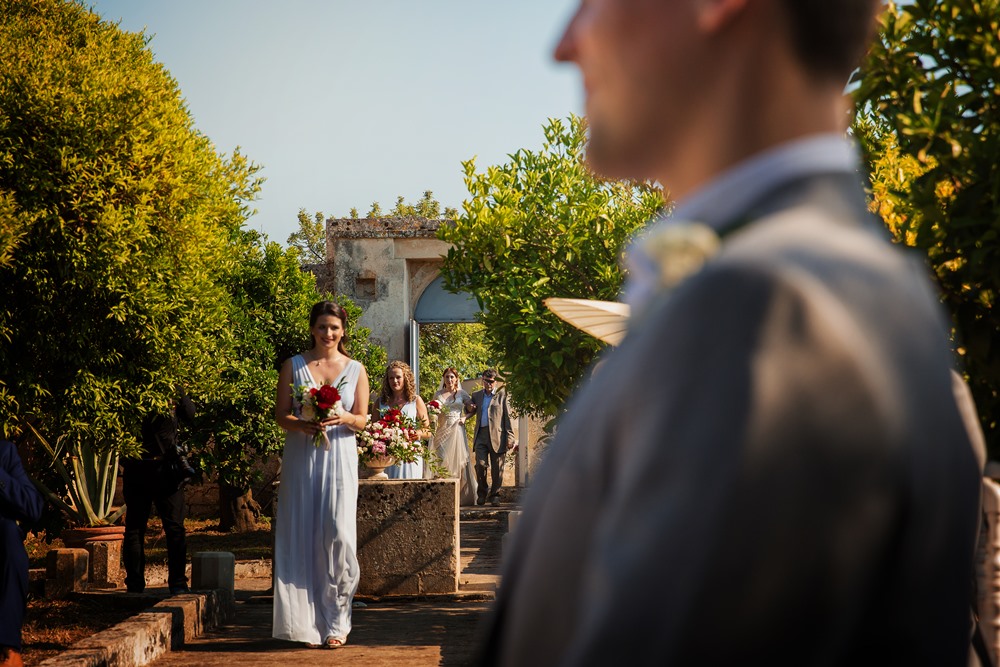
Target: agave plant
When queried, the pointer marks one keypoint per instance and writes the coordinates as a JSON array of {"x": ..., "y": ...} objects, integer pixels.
[{"x": 90, "y": 479}]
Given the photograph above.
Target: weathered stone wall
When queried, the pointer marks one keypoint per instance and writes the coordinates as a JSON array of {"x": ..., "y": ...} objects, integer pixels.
[
  {"x": 408, "y": 537},
  {"x": 384, "y": 266}
]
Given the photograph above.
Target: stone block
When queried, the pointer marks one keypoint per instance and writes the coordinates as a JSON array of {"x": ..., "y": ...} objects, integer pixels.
[
  {"x": 106, "y": 564},
  {"x": 65, "y": 571},
  {"x": 213, "y": 569},
  {"x": 138, "y": 641},
  {"x": 408, "y": 537}
]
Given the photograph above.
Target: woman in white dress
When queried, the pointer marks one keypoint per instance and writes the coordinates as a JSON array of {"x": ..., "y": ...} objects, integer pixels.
[
  {"x": 399, "y": 390},
  {"x": 315, "y": 548},
  {"x": 451, "y": 446}
]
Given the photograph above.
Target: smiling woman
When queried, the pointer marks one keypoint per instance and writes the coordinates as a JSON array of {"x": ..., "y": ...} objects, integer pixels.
[{"x": 317, "y": 504}]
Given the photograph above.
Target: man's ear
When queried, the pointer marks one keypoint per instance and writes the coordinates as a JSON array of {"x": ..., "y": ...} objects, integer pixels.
[{"x": 713, "y": 15}]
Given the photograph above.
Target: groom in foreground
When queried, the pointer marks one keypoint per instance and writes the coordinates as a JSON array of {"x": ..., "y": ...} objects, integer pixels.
[{"x": 771, "y": 469}]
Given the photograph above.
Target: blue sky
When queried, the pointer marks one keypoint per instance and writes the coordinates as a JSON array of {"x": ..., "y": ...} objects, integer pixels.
[{"x": 348, "y": 102}]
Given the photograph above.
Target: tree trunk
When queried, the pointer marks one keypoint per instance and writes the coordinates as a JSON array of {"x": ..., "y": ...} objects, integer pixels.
[{"x": 238, "y": 511}]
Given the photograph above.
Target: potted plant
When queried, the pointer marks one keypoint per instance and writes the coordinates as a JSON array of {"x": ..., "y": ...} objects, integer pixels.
[{"x": 90, "y": 479}]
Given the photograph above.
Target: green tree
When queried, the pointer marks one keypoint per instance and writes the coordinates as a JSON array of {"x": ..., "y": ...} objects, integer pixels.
[
  {"x": 121, "y": 213},
  {"x": 929, "y": 121},
  {"x": 310, "y": 239},
  {"x": 425, "y": 207},
  {"x": 268, "y": 305},
  {"x": 542, "y": 225}
]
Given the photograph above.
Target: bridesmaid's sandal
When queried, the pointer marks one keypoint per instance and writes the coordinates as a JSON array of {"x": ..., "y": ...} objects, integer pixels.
[
  {"x": 311, "y": 645},
  {"x": 333, "y": 642}
]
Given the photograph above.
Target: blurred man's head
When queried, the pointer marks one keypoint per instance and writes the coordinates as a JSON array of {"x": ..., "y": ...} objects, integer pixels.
[{"x": 661, "y": 76}]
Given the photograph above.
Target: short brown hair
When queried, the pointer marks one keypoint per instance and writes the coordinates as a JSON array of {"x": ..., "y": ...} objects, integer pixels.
[{"x": 831, "y": 37}]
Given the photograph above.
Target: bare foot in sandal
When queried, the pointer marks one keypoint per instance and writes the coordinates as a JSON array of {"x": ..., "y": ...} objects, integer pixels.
[{"x": 333, "y": 642}]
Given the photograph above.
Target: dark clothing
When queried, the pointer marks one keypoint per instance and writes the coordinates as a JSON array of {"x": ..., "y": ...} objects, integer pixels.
[
  {"x": 484, "y": 454},
  {"x": 159, "y": 432},
  {"x": 148, "y": 483},
  {"x": 154, "y": 481},
  {"x": 19, "y": 501}
]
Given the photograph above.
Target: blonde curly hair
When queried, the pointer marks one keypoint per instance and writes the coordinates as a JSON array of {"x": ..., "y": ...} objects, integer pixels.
[{"x": 409, "y": 384}]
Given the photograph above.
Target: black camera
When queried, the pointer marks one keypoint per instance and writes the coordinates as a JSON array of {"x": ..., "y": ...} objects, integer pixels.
[
  {"x": 184, "y": 468},
  {"x": 179, "y": 469}
]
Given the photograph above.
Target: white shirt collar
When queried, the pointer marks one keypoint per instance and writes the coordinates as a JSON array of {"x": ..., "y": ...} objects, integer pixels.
[{"x": 734, "y": 191}]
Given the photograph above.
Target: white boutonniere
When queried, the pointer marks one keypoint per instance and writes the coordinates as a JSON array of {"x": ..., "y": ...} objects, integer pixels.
[
  {"x": 679, "y": 250},
  {"x": 658, "y": 261}
]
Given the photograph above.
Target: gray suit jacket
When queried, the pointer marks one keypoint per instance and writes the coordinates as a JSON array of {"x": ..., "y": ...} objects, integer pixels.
[
  {"x": 501, "y": 430},
  {"x": 771, "y": 469}
]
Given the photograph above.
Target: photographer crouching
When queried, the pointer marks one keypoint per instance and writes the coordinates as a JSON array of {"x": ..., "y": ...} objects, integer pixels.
[{"x": 158, "y": 478}]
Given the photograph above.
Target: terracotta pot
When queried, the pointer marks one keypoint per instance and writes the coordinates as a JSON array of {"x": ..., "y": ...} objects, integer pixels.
[
  {"x": 79, "y": 538},
  {"x": 378, "y": 466}
]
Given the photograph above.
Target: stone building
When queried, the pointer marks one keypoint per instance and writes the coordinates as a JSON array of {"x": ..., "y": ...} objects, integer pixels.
[{"x": 390, "y": 267}]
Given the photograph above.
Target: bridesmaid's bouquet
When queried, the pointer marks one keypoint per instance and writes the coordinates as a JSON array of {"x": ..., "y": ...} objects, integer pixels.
[
  {"x": 434, "y": 409},
  {"x": 392, "y": 434},
  {"x": 317, "y": 404}
]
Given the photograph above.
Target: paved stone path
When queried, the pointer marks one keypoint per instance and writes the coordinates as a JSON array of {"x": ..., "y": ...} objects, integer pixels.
[{"x": 417, "y": 632}]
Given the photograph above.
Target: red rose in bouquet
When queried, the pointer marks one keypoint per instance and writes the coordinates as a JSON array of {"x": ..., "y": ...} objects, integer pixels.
[{"x": 326, "y": 397}]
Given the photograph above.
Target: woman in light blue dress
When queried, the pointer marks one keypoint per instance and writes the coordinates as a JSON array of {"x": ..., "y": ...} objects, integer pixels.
[
  {"x": 315, "y": 550},
  {"x": 399, "y": 391}
]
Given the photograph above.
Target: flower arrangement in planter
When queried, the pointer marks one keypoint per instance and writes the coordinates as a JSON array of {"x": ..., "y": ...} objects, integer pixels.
[
  {"x": 394, "y": 435},
  {"x": 392, "y": 438}
]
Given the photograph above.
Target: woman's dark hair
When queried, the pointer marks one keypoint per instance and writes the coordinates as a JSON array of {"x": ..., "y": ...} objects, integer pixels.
[
  {"x": 329, "y": 308},
  {"x": 451, "y": 369}
]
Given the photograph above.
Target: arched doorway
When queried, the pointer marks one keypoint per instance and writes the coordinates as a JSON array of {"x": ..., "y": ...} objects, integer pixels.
[{"x": 438, "y": 306}]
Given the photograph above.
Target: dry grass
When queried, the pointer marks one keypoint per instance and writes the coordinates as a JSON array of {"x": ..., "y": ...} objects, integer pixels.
[{"x": 52, "y": 626}]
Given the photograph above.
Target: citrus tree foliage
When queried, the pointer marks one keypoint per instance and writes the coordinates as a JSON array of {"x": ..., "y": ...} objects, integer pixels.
[
  {"x": 461, "y": 346},
  {"x": 310, "y": 239},
  {"x": 929, "y": 118},
  {"x": 116, "y": 214},
  {"x": 268, "y": 306},
  {"x": 542, "y": 225}
]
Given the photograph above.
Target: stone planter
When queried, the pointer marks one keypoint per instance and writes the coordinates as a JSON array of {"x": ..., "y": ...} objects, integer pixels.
[
  {"x": 104, "y": 544},
  {"x": 378, "y": 466}
]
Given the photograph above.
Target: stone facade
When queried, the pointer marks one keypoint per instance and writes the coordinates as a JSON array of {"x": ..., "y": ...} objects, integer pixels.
[
  {"x": 383, "y": 265},
  {"x": 408, "y": 537}
]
